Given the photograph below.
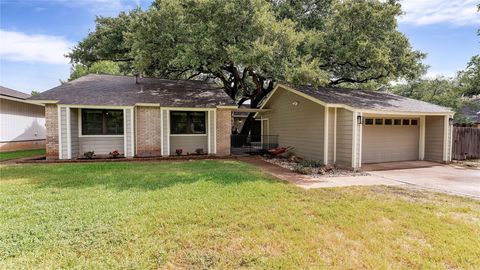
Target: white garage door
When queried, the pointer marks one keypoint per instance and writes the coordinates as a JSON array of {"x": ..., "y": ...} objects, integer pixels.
[{"x": 389, "y": 140}]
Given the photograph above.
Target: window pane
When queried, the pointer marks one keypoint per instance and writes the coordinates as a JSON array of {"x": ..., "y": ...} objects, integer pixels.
[
  {"x": 197, "y": 122},
  {"x": 406, "y": 122},
  {"x": 397, "y": 122},
  {"x": 379, "y": 122},
  {"x": 178, "y": 122},
  {"x": 368, "y": 121},
  {"x": 114, "y": 122},
  {"x": 102, "y": 122},
  {"x": 187, "y": 122},
  {"x": 413, "y": 122},
  {"x": 92, "y": 122},
  {"x": 388, "y": 122}
]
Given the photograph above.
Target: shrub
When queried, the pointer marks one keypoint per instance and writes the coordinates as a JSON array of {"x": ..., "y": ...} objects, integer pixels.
[
  {"x": 89, "y": 154},
  {"x": 298, "y": 168},
  {"x": 199, "y": 151},
  {"x": 114, "y": 154},
  {"x": 310, "y": 163},
  {"x": 178, "y": 152}
]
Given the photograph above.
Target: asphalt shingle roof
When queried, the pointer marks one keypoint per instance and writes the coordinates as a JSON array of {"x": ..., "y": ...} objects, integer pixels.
[
  {"x": 370, "y": 100},
  {"x": 112, "y": 90},
  {"x": 4, "y": 91}
]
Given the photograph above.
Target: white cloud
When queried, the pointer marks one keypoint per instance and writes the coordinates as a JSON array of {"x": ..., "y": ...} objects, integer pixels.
[
  {"x": 423, "y": 12},
  {"x": 20, "y": 47}
]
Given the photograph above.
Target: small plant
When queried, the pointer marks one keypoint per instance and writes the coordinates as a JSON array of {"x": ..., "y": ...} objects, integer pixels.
[
  {"x": 298, "y": 168},
  {"x": 89, "y": 154},
  {"x": 114, "y": 154},
  {"x": 199, "y": 151},
  {"x": 179, "y": 152},
  {"x": 310, "y": 163}
]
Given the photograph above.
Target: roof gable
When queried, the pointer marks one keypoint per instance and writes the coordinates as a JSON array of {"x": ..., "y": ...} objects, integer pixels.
[{"x": 365, "y": 100}]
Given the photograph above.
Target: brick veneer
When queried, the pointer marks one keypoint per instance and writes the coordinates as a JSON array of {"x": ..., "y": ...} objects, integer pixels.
[
  {"x": 224, "y": 129},
  {"x": 51, "y": 125},
  {"x": 148, "y": 131}
]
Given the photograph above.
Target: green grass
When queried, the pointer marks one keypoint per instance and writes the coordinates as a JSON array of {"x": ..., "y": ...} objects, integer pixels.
[
  {"x": 21, "y": 154},
  {"x": 222, "y": 215}
]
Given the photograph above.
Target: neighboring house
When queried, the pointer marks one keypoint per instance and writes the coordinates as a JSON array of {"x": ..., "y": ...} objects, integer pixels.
[
  {"x": 22, "y": 122},
  {"x": 136, "y": 116},
  {"x": 472, "y": 112},
  {"x": 353, "y": 127}
]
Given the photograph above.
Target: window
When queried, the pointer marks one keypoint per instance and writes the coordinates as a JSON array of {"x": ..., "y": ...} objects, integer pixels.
[
  {"x": 378, "y": 122},
  {"x": 414, "y": 122},
  {"x": 397, "y": 122},
  {"x": 187, "y": 122},
  {"x": 405, "y": 122},
  {"x": 368, "y": 121},
  {"x": 102, "y": 122},
  {"x": 388, "y": 122}
]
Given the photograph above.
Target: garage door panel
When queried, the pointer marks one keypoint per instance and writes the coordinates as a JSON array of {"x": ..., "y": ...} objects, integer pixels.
[{"x": 389, "y": 143}]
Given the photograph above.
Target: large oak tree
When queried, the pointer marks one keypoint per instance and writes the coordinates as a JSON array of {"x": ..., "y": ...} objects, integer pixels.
[{"x": 249, "y": 45}]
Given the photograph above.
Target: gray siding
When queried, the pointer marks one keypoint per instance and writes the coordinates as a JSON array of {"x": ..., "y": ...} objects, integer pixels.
[
  {"x": 101, "y": 145},
  {"x": 128, "y": 132},
  {"x": 434, "y": 138},
  {"x": 63, "y": 133},
  {"x": 344, "y": 137},
  {"x": 298, "y": 126},
  {"x": 74, "y": 132},
  {"x": 188, "y": 143}
]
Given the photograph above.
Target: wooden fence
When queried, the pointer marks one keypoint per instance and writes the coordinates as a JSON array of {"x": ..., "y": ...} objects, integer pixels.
[{"x": 466, "y": 143}]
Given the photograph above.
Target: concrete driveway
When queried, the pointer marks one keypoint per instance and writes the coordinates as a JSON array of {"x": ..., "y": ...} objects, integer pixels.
[{"x": 436, "y": 177}]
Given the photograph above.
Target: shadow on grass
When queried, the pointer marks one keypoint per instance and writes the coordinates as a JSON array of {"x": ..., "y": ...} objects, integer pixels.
[{"x": 147, "y": 176}]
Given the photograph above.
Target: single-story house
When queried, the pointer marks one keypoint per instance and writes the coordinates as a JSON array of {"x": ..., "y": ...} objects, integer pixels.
[
  {"x": 22, "y": 122},
  {"x": 136, "y": 116},
  {"x": 472, "y": 112},
  {"x": 354, "y": 127}
]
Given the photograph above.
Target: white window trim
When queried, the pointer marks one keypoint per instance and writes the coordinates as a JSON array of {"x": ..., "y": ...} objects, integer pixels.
[
  {"x": 59, "y": 127},
  {"x": 335, "y": 138},
  {"x": 69, "y": 133},
  {"x": 207, "y": 124},
  {"x": 80, "y": 135}
]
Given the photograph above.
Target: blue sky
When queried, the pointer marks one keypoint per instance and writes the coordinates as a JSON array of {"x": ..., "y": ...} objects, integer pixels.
[{"x": 35, "y": 34}]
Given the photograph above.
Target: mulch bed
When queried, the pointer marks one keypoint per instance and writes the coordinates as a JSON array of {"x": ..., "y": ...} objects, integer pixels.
[
  {"x": 41, "y": 160},
  {"x": 316, "y": 172}
]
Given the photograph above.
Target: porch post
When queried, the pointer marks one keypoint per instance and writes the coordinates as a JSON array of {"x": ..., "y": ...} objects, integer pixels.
[
  {"x": 325, "y": 136},
  {"x": 445, "y": 138},
  {"x": 421, "y": 139}
]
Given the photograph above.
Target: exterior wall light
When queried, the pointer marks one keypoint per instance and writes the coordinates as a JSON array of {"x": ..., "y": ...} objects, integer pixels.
[
  {"x": 295, "y": 103},
  {"x": 359, "y": 119},
  {"x": 450, "y": 121}
]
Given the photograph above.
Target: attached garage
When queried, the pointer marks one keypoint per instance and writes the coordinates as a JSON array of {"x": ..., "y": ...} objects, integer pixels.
[
  {"x": 349, "y": 128},
  {"x": 388, "y": 139}
]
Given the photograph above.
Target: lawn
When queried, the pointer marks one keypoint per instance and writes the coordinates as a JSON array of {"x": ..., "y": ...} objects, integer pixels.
[
  {"x": 21, "y": 154},
  {"x": 222, "y": 215}
]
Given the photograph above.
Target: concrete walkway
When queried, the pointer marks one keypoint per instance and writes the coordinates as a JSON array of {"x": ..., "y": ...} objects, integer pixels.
[
  {"x": 424, "y": 175},
  {"x": 308, "y": 182}
]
